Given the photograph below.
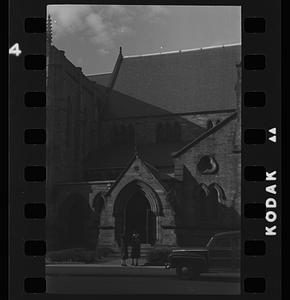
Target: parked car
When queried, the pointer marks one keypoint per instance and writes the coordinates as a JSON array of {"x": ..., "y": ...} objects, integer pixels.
[{"x": 221, "y": 252}]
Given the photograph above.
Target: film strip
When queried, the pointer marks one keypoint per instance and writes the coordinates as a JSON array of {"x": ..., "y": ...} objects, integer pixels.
[{"x": 261, "y": 148}]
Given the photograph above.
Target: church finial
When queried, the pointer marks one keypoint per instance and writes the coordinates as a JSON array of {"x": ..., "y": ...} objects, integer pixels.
[
  {"x": 120, "y": 51},
  {"x": 49, "y": 31},
  {"x": 136, "y": 151}
]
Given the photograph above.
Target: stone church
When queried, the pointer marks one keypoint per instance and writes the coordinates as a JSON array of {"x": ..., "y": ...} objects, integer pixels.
[{"x": 153, "y": 146}]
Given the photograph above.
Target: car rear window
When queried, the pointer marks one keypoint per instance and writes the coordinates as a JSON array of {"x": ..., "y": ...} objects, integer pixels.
[{"x": 222, "y": 242}]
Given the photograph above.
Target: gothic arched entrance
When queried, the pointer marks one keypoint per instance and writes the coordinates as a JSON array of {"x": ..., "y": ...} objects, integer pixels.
[
  {"x": 139, "y": 216},
  {"x": 137, "y": 207}
]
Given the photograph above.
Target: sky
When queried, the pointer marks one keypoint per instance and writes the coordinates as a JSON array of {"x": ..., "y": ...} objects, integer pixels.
[{"x": 91, "y": 35}]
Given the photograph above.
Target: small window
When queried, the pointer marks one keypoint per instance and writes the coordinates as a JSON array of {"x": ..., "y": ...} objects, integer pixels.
[
  {"x": 221, "y": 242},
  {"x": 207, "y": 165},
  {"x": 96, "y": 115},
  {"x": 68, "y": 122},
  {"x": 177, "y": 132},
  {"x": 131, "y": 133},
  {"x": 169, "y": 132},
  {"x": 160, "y": 133}
]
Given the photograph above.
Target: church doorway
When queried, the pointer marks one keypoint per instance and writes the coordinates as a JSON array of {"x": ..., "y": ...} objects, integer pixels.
[{"x": 139, "y": 217}]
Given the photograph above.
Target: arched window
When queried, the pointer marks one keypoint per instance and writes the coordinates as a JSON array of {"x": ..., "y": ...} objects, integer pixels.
[
  {"x": 204, "y": 189},
  {"x": 159, "y": 133},
  {"x": 116, "y": 135},
  {"x": 92, "y": 140},
  {"x": 84, "y": 133},
  {"x": 177, "y": 131},
  {"x": 98, "y": 203},
  {"x": 131, "y": 133},
  {"x": 68, "y": 122},
  {"x": 123, "y": 134},
  {"x": 221, "y": 196},
  {"x": 169, "y": 132},
  {"x": 112, "y": 134},
  {"x": 203, "y": 193},
  {"x": 212, "y": 201}
]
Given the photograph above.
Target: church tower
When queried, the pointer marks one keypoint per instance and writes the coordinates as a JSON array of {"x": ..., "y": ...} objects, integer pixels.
[{"x": 48, "y": 34}]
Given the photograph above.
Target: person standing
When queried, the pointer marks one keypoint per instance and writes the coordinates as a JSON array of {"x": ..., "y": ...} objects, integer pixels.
[
  {"x": 135, "y": 251},
  {"x": 124, "y": 249}
]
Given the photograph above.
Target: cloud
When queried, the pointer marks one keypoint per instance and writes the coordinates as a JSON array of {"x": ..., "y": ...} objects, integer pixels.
[
  {"x": 156, "y": 13},
  {"x": 115, "y": 10},
  {"x": 100, "y": 31},
  {"x": 103, "y": 51},
  {"x": 67, "y": 18},
  {"x": 101, "y": 24},
  {"x": 157, "y": 10}
]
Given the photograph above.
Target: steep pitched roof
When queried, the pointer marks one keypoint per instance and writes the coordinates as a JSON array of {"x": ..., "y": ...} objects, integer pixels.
[
  {"x": 160, "y": 177},
  {"x": 177, "y": 82},
  {"x": 204, "y": 135},
  {"x": 163, "y": 178}
]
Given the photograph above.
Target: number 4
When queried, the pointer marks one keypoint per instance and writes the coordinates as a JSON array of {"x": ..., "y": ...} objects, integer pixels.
[{"x": 15, "y": 50}]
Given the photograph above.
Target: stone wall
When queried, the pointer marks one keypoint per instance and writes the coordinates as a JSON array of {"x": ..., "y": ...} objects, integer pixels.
[
  {"x": 220, "y": 146},
  {"x": 146, "y": 127},
  {"x": 72, "y": 118}
]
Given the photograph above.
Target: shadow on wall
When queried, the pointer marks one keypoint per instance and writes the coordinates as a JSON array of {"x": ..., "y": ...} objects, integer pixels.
[
  {"x": 200, "y": 213},
  {"x": 75, "y": 226},
  {"x": 158, "y": 133}
]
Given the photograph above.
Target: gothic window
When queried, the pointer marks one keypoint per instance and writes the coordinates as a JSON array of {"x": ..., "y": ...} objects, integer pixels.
[
  {"x": 202, "y": 201},
  {"x": 112, "y": 134},
  {"x": 123, "y": 134},
  {"x": 159, "y": 132},
  {"x": 96, "y": 117},
  {"x": 177, "y": 132},
  {"x": 221, "y": 196},
  {"x": 169, "y": 132},
  {"x": 98, "y": 203},
  {"x": 131, "y": 133},
  {"x": 84, "y": 143},
  {"x": 93, "y": 139},
  {"x": 212, "y": 204},
  {"x": 68, "y": 122},
  {"x": 207, "y": 165},
  {"x": 116, "y": 137}
]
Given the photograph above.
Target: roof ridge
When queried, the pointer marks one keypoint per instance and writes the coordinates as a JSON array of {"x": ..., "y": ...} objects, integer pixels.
[
  {"x": 105, "y": 73},
  {"x": 182, "y": 51}
]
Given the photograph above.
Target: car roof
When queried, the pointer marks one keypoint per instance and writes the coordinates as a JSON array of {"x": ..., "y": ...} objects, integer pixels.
[{"x": 237, "y": 232}]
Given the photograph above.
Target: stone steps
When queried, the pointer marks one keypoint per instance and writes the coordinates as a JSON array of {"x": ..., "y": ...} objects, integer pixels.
[{"x": 143, "y": 251}]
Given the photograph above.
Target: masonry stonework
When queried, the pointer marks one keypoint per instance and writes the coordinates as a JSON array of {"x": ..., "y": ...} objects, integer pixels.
[{"x": 185, "y": 205}]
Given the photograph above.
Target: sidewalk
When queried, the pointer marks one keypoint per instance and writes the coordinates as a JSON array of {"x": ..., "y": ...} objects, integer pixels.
[
  {"x": 117, "y": 262},
  {"x": 113, "y": 268}
]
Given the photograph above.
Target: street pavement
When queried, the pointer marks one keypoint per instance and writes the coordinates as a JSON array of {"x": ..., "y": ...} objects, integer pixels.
[{"x": 110, "y": 278}]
